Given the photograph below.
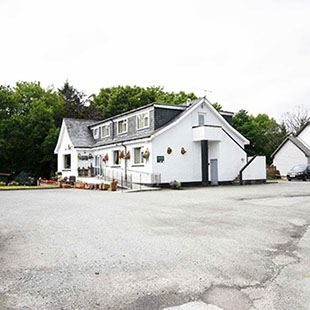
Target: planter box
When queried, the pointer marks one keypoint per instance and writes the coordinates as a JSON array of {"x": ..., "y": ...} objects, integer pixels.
[{"x": 113, "y": 186}]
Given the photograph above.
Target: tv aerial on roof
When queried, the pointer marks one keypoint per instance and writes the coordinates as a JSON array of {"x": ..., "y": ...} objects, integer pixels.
[{"x": 205, "y": 90}]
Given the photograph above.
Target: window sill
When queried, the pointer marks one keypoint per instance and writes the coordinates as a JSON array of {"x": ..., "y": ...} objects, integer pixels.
[
  {"x": 115, "y": 166},
  {"x": 138, "y": 165},
  {"x": 66, "y": 169},
  {"x": 138, "y": 129}
]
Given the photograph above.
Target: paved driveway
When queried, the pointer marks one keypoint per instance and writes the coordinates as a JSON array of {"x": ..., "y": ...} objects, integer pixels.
[{"x": 228, "y": 247}]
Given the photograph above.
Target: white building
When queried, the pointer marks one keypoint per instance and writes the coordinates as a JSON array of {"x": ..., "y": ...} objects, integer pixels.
[
  {"x": 191, "y": 143},
  {"x": 293, "y": 151}
]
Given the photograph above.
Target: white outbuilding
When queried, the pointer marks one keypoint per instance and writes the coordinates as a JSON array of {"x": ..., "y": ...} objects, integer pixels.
[{"x": 293, "y": 151}]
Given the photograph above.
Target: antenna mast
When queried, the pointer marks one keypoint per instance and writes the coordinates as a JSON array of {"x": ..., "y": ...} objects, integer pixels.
[{"x": 206, "y": 91}]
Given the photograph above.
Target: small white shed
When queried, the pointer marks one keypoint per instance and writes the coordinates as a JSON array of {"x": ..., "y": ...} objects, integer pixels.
[{"x": 293, "y": 151}]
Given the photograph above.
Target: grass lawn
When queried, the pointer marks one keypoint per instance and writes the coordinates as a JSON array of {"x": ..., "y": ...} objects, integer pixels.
[{"x": 26, "y": 187}]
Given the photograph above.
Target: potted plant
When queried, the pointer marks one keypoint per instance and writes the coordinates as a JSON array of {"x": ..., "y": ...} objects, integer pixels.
[
  {"x": 175, "y": 185},
  {"x": 121, "y": 155},
  {"x": 169, "y": 150},
  {"x": 127, "y": 155},
  {"x": 91, "y": 186},
  {"x": 113, "y": 185},
  {"x": 96, "y": 186},
  {"x": 87, "y": 186},
  {"x": 2, "y": 183},
  {"x": 146, "y": 154},
  {"x": 105, "y": 186},
  {"x": 183, "y": 151},
  {"x": 66, "y": 185}
]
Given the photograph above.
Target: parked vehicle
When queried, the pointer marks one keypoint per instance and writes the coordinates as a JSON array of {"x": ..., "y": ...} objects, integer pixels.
[{"x": 299, "y": 172}]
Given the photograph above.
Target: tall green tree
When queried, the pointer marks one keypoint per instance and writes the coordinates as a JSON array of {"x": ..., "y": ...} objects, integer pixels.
[
  {"x": 29, "y": 126},
  {"x": 263, "y": 132},
  {"x": 116, "y": 100}
]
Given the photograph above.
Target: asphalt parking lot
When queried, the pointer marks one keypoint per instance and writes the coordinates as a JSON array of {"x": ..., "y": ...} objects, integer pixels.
[{"x": 228, "y": 247}]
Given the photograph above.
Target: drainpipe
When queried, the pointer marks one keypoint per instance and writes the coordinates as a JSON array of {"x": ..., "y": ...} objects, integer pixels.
[{"x": 125, "y": 162}]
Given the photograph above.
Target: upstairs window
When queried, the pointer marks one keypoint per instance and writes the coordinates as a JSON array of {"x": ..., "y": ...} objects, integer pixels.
[
  {"x": 96, "y": 133},
  {"x": 201, "y": 119},
  {"x": 122, "y": 126},
  {"x": 105, "y": 131},
  {"x": 143, "y": 120}
]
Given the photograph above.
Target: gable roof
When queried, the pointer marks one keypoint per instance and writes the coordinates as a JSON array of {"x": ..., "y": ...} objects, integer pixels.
[
  {"x": 302, "y": 128},
  {"x": 80, "y": 133},
  {"x": 194, "y": 104},
  {"x": 296, "y": 142}
]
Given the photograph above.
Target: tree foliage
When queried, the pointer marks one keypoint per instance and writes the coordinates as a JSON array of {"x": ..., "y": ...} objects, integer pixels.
[
  {"x": 30, "y": 117},
  {"x": 115, "y": 100},
  {"x": 263, "y": 132}
]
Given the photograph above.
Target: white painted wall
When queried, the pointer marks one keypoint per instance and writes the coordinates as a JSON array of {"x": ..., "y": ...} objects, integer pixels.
[
  {"x": 287, "y": 157},
  {"x": 66, "y": 148},
  {"x": 135, "y": 172},
  {"x": 256, "y": 169},
  {"x": 187, "y": 168}
]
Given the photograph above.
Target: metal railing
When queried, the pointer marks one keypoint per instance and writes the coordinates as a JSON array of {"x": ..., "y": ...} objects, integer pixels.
[{"x": 130, "y": 179}]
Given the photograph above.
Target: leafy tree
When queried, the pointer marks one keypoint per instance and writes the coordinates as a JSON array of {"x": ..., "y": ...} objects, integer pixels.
[
  {"x": 28, "y": 129},
  {"x": 116, "y": 100},
  {"x": 217, "y": 106},
  {"x": 264, "y": 133}
]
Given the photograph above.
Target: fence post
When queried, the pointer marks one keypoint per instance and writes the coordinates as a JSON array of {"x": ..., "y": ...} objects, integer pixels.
[{"x": 140, "y": 181}]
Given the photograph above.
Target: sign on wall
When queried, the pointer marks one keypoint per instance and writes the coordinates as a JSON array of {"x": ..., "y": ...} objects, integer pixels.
[{"x": 160, "y": 159}]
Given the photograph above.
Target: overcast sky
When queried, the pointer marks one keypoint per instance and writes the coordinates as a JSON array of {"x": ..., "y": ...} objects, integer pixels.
[{"x": 252, "y": 54}]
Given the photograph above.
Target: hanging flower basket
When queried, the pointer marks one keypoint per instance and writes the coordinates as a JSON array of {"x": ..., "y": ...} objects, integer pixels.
[
  {"x": 121, "y": 155},
  {"x": 79, "y": 156},
  {"x": 183, "y": 151},
  {"x": 146, "y": 154},
  {"x": 169, "y": 150},
  {"x": 90, "y": 156},
  {"x": 127, "y": 155},
  {"x": 105, "y": 158}
]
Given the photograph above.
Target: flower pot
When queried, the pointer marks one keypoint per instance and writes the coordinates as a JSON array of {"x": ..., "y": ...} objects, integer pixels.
[
  {"x": 113, "y": 186},
  {"x": 96, "y": 186},
  {"x": 66, "y": 186},
  {"x": 105, "y": 187}
]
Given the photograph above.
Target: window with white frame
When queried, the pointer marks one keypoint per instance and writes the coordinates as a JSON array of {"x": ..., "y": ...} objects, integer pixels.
[
  {"x": 201, "y": 119},
  {"x": 122, "y": 126},
  {"x": 105, "y": 131},
  {"x": 143, "y": 120},
  {"x": 96, "y": 133},
  {"x": 67, "y": 161},
  {"x": 137, "y": 156},
  {"x": 116, "y": 157}
]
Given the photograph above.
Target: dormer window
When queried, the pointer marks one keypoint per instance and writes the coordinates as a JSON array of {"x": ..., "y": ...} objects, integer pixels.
[
  {"x": 96, "y": 133},
  {"x": 143, "y": 120},
  {"x": 105, "y": 131},
  {"x": 122, "y": 126}
]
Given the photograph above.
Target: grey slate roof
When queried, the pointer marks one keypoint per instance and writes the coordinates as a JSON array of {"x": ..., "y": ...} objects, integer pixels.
[
  {"x": 79, "y": 133},
  {"x": 300, "y": 145},
  {"x": 297, "y": 143}
]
